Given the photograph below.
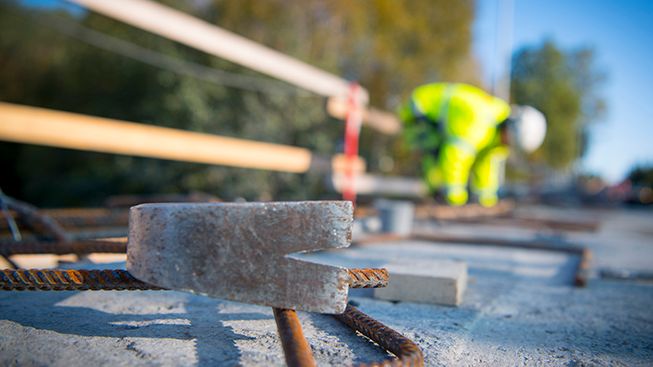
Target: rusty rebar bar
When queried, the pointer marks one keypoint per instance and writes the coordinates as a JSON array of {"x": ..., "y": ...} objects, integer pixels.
[
  {"x": 368, "y": 278},
  {"x": 500, "y": 242},
  {"x": 530, "y": 222},
  {"x": 407, "y": 352},
  {"x": 61, "y": 248},
  {"x": 54, "y": 280},
  {"x": 295, "y": 347},
  {"x": 9, "y": 220},
  {"x": 39, "y": 222},
  {"x": 70, "y": 280}
]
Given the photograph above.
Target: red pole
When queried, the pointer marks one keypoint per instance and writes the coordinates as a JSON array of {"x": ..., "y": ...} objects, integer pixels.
[{"x": 353, "y": 123}]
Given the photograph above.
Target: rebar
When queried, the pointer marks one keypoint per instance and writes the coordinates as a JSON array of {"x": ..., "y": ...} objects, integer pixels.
[
  {"x": 531, "y": 222},
  {"x": 55, "y": 280},
  {"x": 295, "y": 347},
  {"x": 11, "y": 223},
  {"x": 500, "y": 242},
  {"x": 368, "y": 278},
  {"x": 39, "y": 222},
  {"x": 407, "y": 352},
  {"x": 70, "y": 280}
]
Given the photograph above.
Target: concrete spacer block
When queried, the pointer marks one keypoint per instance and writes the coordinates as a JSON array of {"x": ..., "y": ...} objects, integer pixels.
[{"x": 435, "y": 282}]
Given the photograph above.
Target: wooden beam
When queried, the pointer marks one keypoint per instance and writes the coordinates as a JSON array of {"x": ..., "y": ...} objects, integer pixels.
[{"x": 40, "y": 126}]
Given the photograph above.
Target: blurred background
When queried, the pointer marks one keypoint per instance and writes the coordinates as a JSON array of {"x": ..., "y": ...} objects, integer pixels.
[{"x": 583, "y": 64}]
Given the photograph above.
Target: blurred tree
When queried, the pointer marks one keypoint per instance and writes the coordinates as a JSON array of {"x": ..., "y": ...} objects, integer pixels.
[
  {"x": 389, "y": 47},
  {"x": 564, "y": 85},
  {"x": 641, "y": 175}
]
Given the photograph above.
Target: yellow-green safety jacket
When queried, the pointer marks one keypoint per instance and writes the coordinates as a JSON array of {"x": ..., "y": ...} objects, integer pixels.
[{"x": 456, "y": 126}]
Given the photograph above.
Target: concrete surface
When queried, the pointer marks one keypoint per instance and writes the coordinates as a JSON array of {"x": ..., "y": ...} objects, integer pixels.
[{"x": 519, "y": 309}]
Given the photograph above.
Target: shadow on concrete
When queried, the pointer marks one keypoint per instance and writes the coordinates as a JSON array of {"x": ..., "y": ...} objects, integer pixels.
[{"x": 199, "y": 320}]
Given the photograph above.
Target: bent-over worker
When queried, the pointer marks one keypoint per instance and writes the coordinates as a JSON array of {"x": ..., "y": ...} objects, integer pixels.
[{"x": 461, "y": 130}]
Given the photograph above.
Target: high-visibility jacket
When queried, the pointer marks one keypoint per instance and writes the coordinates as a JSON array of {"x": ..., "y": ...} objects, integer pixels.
[{"x": 456, "y": 126}]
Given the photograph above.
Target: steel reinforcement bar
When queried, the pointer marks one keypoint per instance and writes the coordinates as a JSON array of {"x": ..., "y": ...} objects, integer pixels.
[
  {"x": 118, "y": 280},
  {"x": 407, "y": 352}
]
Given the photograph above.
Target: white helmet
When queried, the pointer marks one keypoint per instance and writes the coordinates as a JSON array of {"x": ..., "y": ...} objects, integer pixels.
[{"x": 527, "y": 128}]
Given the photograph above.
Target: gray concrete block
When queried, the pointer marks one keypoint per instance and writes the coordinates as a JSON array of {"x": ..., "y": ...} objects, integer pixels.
[{"x": 435, "y": 282}]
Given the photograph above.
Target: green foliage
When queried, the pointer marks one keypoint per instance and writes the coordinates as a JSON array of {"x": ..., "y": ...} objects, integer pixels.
[
  {"x": 564, "y": 86},
  {"x": 388, "y": 46}
]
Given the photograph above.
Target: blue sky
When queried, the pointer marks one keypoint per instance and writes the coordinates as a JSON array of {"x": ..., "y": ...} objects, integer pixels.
[{"x": 621, "y": 32}]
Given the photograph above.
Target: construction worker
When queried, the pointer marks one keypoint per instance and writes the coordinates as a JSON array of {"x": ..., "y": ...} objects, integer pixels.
[{"x": 462, "y": 130}]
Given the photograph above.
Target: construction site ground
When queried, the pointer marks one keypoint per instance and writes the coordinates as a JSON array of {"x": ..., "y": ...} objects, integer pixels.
[{"x": 520, "y": 308}]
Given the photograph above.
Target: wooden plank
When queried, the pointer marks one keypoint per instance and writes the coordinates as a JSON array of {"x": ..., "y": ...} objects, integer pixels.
[{"x": 32, "y": 125}]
